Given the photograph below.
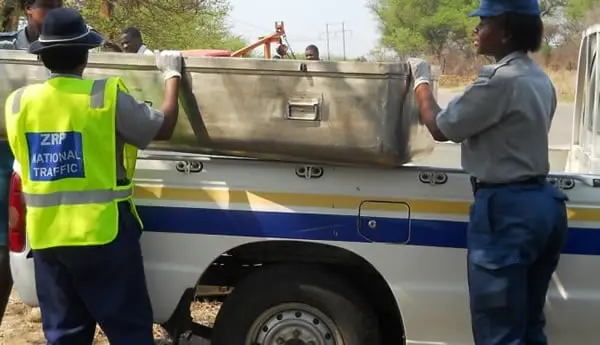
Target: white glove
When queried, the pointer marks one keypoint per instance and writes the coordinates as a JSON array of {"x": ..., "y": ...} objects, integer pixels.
[
  {"x": 420, "y": 70},
  {"x": 169, "y": 62}
]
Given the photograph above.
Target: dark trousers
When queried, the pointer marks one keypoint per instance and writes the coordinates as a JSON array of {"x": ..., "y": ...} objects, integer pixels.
[
  {"x": 78, "y": 287},
  {"x": 6, "y": 281},
  {"x": 515, "y": 237}
]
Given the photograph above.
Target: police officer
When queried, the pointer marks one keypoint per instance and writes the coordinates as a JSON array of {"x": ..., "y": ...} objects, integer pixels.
[
  {"x": 35, "y": 11},
  {"x": 76, "y": 140},
  {"x": 518, "y": 221}
]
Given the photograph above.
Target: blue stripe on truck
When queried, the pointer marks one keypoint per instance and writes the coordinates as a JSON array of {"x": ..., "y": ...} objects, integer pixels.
[{"x": 326, "y": 227}]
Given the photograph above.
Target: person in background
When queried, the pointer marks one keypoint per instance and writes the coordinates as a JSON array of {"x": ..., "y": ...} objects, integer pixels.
[
  {"x": 35, "y": 10},
  {"x": 282, "y": 52},
  {"x": 85, "y": 244},
  {"x": 312, "y": 53},
  {"x": 132, "y": 42},
  {"x": 518, "y": 221}
]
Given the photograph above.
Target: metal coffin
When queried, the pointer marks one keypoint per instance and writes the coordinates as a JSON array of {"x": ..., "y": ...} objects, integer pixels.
[{"x": 335, "y": 112}]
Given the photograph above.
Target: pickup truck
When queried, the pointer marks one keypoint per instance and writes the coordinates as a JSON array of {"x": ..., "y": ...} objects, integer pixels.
[{"x": 328, "y": 254}]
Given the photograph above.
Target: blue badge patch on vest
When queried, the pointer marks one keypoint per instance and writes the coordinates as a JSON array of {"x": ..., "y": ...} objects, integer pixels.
[{"x": 55, "y": 156}]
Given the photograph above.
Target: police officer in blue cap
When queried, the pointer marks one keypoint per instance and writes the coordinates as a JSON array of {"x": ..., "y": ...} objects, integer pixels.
[{"x": 518, "y": 221}]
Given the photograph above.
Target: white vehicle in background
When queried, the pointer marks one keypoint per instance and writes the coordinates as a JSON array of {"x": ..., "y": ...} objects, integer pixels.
[
  {"x": 584, "y": 155},
  {"x": 320, "y": 254}
]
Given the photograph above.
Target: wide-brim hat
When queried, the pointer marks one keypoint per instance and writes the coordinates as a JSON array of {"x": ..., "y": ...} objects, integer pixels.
[{"x": 64, "y": 27}]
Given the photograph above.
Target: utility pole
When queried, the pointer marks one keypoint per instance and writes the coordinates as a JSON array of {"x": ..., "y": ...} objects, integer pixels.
[
  {"x": 344, "y": 39},
  {"x": 327, "y": 38},
  {"x": 329, "y": 34}
]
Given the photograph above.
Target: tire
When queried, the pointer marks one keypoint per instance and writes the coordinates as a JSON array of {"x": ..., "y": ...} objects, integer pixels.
[{"x": 279, "y": 303}]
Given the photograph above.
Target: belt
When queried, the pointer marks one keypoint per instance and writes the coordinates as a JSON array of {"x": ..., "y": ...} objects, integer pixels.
[{"x": 535, "y": 180}]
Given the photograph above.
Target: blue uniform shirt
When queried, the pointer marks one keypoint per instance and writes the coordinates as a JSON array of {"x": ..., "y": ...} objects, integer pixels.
[
  {"x": 502, "y": 121},
  {"x": 16, "y": 40}
]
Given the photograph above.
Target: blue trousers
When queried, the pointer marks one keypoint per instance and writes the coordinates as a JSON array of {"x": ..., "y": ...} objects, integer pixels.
[
  {"x": 515, "y": 237},
  {"x": 79, "y": 287}
]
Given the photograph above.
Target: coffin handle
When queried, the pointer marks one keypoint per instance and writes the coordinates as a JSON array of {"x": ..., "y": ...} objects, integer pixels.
[{"x": 304, "y": 109}]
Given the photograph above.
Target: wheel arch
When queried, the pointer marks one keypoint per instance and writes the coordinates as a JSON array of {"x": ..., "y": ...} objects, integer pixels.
[{"x": 234, "y": 265}]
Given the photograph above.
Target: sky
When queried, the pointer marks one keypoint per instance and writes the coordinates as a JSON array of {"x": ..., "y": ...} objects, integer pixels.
[{"x": 305, "y": 23}]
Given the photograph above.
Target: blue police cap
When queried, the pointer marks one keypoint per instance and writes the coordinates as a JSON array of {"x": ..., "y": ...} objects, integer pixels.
[
  {"x": 65, "y": 27},
  {"x": 492, "y": 8}
]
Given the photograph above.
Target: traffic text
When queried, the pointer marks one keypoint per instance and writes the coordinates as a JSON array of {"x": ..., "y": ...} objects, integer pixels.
[{"x": 55, "y": 156}]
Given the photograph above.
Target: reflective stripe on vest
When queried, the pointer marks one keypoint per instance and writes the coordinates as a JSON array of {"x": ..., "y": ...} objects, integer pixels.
[
  {"x": 63, "y": 134},
  {"x": 76, "y": 198},
  {"x": 96, "y": 101}
]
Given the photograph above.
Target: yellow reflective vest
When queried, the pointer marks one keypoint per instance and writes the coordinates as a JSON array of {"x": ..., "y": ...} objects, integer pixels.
[{"x": 62, "y": 132}]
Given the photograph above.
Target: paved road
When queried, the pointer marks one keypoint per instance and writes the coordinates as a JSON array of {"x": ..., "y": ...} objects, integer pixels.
[{"x": 560, "y": 133}]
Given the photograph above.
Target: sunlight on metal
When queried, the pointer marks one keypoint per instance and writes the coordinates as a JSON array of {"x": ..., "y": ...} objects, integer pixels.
[{"x": 560, "y": 287}]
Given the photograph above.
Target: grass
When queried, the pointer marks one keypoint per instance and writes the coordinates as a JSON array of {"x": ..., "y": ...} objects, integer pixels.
[
  {"x": 22, "y": 324},
  {"x": 564, "y": 82}
]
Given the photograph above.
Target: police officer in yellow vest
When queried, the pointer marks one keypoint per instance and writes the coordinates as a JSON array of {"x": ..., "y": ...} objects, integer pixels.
[{"x": 76, "y": 140}]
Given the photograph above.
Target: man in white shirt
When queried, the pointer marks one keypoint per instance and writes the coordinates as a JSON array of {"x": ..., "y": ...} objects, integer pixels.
[{"x": 131, "y": 42}]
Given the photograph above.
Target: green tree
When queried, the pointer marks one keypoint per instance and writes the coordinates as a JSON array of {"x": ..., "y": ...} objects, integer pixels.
[
  {"x": 581, "y": 13},
  {"x": 9, "y": 11},
  {"x": 552, "y": 7},
  {"x": 165, "y": 24},
  {"x": 569, "y": 18},
  {"x": 412, "y": 27}
]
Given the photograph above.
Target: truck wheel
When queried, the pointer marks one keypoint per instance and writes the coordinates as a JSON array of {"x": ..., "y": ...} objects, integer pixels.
[{"x": 295, "y": 305}]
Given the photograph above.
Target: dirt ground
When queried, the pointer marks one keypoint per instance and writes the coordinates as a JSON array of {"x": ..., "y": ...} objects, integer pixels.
[{"x": 22, "y": 325}]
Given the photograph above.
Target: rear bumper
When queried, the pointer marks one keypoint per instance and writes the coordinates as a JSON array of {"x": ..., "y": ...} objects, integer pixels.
[{"x": 21, "y": 267}]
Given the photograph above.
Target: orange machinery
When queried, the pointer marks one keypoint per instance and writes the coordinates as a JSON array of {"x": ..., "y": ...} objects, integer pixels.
[
  {"x": 276, "y": 37},
  {"x": 207, "y": 52}
]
